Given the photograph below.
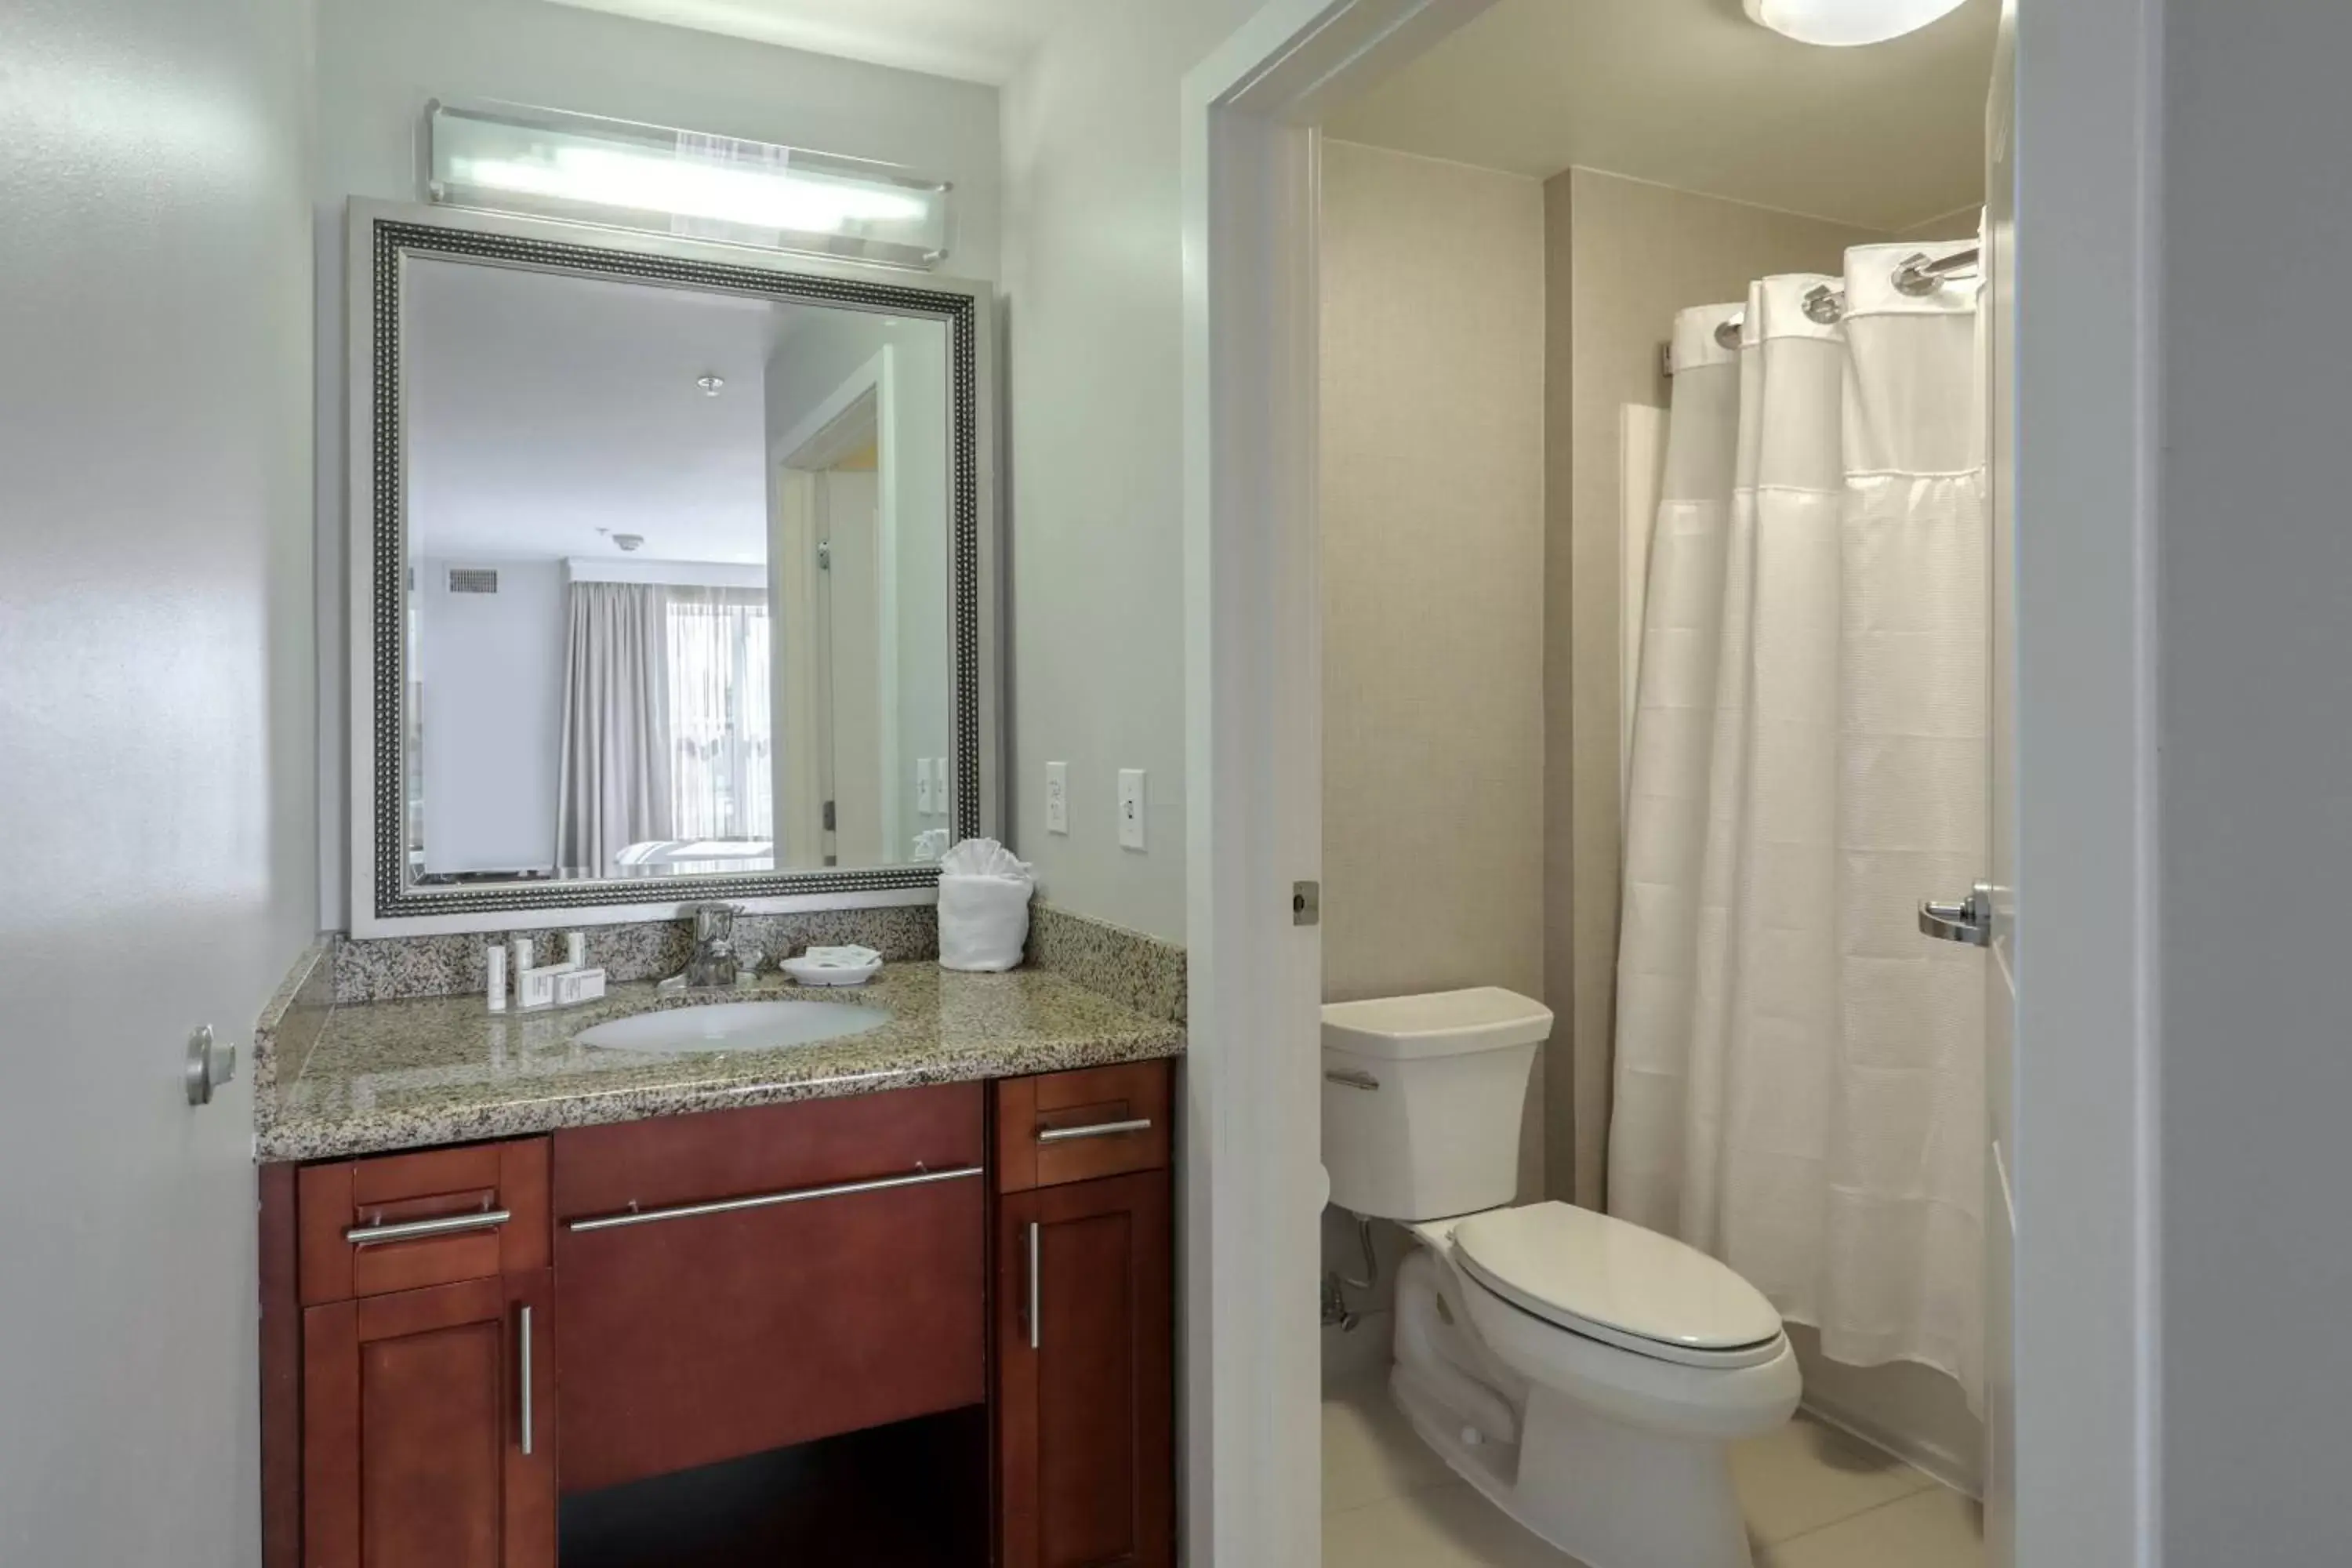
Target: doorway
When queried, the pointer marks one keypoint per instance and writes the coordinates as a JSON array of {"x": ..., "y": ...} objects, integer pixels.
[{"x": 1252, "y": 172}]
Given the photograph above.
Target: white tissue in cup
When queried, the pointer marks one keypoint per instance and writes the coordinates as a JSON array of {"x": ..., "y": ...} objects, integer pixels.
[{"x": 984, "y": 906}]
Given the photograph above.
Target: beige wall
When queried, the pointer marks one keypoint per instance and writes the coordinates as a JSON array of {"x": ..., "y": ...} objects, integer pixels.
[
  {"x": 1623, "y": 257},
  {"x": 1432, "y": 585},
  {"x": 1432, "y": 489}
]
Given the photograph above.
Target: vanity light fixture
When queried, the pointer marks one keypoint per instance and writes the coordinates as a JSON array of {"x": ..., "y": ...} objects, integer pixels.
[
  {"x": 1842, "y": 23},
  {"x": 710, "y": 385},
  {"x": 622, "y": 174}
]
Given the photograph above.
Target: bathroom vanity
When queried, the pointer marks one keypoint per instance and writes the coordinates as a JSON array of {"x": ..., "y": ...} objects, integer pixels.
[
  {"x": 471, "y": 1348},
  {"x": 673, "y": 589}
]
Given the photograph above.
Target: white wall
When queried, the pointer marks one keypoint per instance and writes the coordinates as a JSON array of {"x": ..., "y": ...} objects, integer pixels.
[
  {"x": 156, "y": 749},
  {"x": 491, "y": 702},
  {"x": 378, "y": 65},
  {"x": 1094, "y": 278},
  {"x": 2254, "y": 651}
]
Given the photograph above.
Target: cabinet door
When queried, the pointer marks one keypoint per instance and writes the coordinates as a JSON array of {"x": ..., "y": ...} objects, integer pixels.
[
  {"x": 428, "y": 1437},
  {"x": 1085, "y": 1414}
]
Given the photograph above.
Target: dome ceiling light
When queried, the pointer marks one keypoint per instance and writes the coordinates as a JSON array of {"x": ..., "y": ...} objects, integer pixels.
[{"x": 1844, "y": 23}]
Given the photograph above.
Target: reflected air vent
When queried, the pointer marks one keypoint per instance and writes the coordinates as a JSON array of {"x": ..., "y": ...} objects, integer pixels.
[{"x": 473, "y": 580}]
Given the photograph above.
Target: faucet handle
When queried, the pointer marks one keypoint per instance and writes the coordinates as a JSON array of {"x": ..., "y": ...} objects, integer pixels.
[{"x": 715, "y": 922}]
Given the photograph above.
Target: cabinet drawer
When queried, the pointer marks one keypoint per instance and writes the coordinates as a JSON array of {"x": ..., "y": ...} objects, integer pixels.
[
  {"x": 1076, "y": 1126},
  {"x": 402, "y": 1222},
  {"x": 719, "y": 1155},
  {"x": 711, "y": 1331}
]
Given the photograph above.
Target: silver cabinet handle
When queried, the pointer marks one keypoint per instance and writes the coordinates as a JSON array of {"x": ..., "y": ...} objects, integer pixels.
[
  {"x": 1036, "y": 1251},
  {"x": 1969, "y": 921},
  {"x": 1096, "y": 1130},
  {"x": 413, "y": 1230},
  {"x": 770, "y": 1200},
  {"x": 1349, "y": 1078},
  {"x": 526, "y": 1382}
]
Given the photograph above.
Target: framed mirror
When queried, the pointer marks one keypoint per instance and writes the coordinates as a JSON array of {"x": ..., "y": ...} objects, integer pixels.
[{"x": 672, "y": 573}]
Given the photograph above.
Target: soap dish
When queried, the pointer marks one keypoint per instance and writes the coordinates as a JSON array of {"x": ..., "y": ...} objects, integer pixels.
[{"x": 833, "y": 966}]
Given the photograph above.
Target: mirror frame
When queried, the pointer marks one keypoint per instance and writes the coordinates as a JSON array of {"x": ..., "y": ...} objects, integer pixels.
[{"x": 380, "y": 237}]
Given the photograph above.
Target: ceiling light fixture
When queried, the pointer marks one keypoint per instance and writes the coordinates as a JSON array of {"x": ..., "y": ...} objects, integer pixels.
[
  {"x": 626, "y": 175},
  {"x": 629, "y": 541},
  {"x": 710, "y": 385},
  {"x": 1844, "y": 23}
]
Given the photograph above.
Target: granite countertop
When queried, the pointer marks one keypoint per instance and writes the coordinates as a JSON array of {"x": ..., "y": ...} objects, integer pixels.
[{"x": 359, "y": 1078}]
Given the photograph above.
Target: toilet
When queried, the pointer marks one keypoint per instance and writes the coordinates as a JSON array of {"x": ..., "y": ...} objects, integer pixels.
[{"x": 1588, "y": 1375}]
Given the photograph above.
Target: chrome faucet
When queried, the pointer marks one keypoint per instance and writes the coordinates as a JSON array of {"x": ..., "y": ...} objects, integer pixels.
[{"x": 713, "y": 963}]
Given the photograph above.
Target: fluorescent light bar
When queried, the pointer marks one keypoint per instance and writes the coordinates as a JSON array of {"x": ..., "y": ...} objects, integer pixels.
[{"x": 645, "y": 177}]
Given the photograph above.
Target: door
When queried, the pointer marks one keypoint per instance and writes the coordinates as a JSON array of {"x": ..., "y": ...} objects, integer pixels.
[
  {"x": 1085, "y": 1376},
  {"x": 158, "y": 766},
  {"x": 1999, "y": 317},
  {"x": 428, "y": 1427}
]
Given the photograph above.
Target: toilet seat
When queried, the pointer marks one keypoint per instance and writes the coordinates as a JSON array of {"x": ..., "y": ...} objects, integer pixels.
[{"x": 1619, "y": 1283}]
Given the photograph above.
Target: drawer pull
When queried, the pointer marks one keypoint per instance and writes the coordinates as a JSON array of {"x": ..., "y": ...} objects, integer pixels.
[
  {"x": 1097, "y": 1129},
  {"x": 416, "y": 1229},
  {"x": 1036, "y": 1266},
  {"x": 526, "y": 1383},
  {"x": 768, "y": 1200}
]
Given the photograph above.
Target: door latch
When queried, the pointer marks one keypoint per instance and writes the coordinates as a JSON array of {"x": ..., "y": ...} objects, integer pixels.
[
  {"x": 1969, "y": 921},
  {"x": 1305, "y": 903}
]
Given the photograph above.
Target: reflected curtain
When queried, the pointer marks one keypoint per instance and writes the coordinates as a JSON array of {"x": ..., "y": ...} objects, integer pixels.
[
  {"x": 1799, "y": 1079},
  {"x": 720, "y": 715},
  {"x": 614, "y": 785}
]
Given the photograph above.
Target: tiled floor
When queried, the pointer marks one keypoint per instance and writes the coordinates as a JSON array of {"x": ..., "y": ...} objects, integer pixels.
[{"x": 1814, "y": 1498}]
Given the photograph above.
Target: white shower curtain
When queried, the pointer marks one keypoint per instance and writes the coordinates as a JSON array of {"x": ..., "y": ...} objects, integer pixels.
[{"x": 1799, "y": 1072}]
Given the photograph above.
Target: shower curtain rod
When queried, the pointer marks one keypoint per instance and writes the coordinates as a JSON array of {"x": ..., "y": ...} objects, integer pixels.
[{"x": 1917, "y": 275}]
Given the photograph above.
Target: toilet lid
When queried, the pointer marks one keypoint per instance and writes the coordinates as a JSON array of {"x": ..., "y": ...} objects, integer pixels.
[{"x": 1617, "y": 1282}]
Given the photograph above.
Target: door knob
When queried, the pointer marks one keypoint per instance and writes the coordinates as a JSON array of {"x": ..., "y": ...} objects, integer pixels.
[
  {"x": 1969, "y": 921},
  {"x": 210, "y": 1065}
]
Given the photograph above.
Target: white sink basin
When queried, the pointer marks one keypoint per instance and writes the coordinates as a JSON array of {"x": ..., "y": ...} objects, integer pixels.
[{"x": 735, "y": 1027}]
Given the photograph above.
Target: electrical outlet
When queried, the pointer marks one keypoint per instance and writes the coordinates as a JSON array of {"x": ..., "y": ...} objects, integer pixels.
[
  {"x": 1057, "y": 797},
  {"x": 940, "y": 796},
  {"x": 923, "y": 786},
  {"x": 1131, "y": 807}
]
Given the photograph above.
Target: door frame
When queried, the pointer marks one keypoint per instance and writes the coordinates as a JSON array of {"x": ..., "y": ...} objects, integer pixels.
[
  {"x": 2085, "y": 1084},
  {"x": 865, "y": 403}
]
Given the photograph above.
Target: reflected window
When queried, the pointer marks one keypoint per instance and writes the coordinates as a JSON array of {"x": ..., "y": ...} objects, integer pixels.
[{"x": 720, "y": 735}]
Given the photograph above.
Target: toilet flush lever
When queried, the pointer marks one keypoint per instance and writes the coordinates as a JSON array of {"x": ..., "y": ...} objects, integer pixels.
[
  {"x": 1350, "y": 1077},
  {"x": 1969, "y": 921}
]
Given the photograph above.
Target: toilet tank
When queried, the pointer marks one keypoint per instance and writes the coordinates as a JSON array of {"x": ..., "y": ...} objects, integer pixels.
[{"x": 1423, "y": 1097}]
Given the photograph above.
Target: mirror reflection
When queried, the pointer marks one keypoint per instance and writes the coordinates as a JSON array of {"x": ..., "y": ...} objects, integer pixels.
[{"x": 678, "y": 580}]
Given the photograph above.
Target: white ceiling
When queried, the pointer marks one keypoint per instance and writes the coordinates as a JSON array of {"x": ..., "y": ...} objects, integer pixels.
[
  {"x": 1691, "y": 94},
  {"x": 977, "y": 40},
  {"x": 543, "y": 407}
]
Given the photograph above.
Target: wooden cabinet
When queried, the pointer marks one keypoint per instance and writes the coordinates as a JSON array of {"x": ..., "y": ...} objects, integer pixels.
[
  {"x": 428, "y": 1424},
  {"x": 1085, "y": 1320},
  {"x": 727, "y": 1285},
  {"x": 748, "y": 1280},
  {"x": 419, "y": 1390}
]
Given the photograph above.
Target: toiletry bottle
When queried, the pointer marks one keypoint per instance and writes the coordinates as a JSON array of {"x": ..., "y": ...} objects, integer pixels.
[{"x": 497, "y": 990}]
